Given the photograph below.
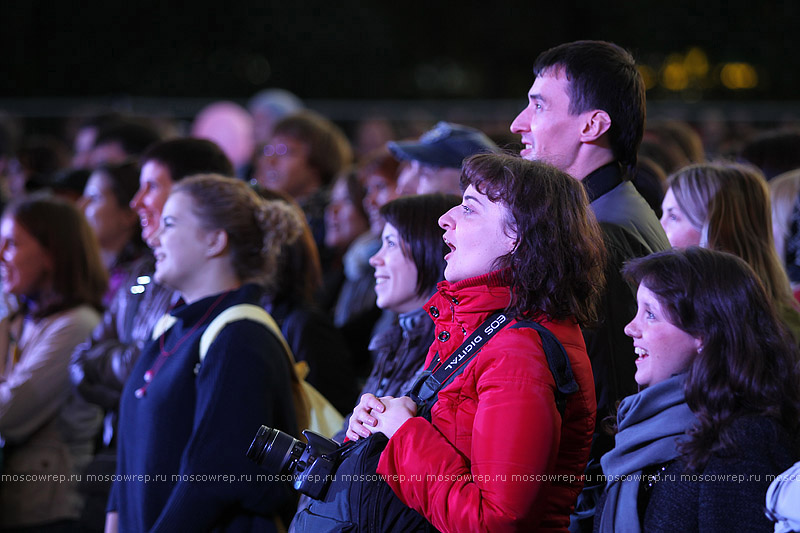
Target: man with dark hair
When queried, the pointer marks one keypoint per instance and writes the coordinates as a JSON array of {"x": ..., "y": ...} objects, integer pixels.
[
  {"x": 585, "y": 115},
  {"x": 167, "y": 162}
]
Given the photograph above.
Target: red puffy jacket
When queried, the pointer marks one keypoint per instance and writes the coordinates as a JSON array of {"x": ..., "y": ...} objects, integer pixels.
[{"x": 497, "y": 455}]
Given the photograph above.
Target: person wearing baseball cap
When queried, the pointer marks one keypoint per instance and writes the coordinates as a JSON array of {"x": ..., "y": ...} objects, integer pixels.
[{"x": 433, "y": 163}]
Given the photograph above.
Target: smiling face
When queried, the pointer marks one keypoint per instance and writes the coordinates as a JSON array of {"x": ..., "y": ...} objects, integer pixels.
[
  {"x": 663, "y": 349},
  {"x": 549, "y": 132},
  {"x": 180, "y": 245},
  {"x": 25, "y": 266},
  {"x": 680, "y": 232},
  {"x": 155, "y": 184},
  {"x": 395, "y": 275},
  {"x": 476, "y": 232}
]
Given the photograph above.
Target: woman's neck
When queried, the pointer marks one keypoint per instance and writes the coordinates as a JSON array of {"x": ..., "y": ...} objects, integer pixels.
[{"x": 216, "y": 277}]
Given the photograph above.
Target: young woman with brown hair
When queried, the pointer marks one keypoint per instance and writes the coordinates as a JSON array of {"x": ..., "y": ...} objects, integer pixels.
[
  {"x": 50, "y": 266},
  {"x": 522, "y": 241}
]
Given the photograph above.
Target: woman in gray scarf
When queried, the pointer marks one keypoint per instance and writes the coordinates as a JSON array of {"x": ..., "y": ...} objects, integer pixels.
[{"x": 718, "y": 413}]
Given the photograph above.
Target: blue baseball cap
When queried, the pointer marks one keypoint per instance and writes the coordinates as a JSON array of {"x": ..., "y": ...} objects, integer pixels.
[{"x": 446, "y": 146}]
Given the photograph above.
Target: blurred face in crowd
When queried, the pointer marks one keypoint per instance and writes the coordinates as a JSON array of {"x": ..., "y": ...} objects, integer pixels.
[
  {"x": 155, "y": 184},
  {"x": 25, "y": 266},
  {"x": 477, "y": 235},
  {"x": 343, "y": 220},
  {"x": 662, "y": 348},
  {"x": 439, "y": 180},
  {"x": 549, "y": 132},
  {"x": 408, "y": 178},
  {"x": 380, "y": 190},
  {"x": 417, "y": 178},
  {"x": 110, "y": 153},
  {"x": 395, "y": 274},
  {"x": 84, "y": 142},
  {"x": 680, "y": 232},
  {"x": 284, "y": 166},
  {"x": 111, "y": 222}
]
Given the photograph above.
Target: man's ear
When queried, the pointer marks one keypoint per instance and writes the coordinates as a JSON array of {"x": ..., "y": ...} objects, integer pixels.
[
  {"x": 217, "y": 242},
  {"x": 597, "y": 123}
]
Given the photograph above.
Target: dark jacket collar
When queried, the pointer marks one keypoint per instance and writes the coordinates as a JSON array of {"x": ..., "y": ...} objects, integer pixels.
[{"x": 603, "y": 180}]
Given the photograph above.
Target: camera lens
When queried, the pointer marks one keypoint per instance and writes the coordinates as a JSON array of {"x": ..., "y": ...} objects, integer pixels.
[{"x": 275, "y": 450}]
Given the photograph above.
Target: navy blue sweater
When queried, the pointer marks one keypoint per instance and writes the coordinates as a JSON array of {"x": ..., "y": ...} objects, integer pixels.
[{"x": 188, "y": 435}]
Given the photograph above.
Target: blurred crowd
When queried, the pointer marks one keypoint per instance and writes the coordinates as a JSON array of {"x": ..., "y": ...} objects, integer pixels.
[{"x": 123, "y": 241}]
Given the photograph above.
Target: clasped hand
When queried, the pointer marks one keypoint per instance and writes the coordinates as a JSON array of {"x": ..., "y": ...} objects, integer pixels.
[{"x": 379, "y": 415}]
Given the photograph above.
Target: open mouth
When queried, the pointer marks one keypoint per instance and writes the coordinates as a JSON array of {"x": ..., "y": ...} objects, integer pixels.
[
  {"x": 641, "y": 354},
  {"x": 380, "y": 280},
  {"x": 449, "y": 245}
]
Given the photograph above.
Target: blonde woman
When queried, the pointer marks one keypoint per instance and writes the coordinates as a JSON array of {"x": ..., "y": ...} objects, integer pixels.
[
  {"x": 726, "y": 207},
  {"x": 784, "y": 192}
]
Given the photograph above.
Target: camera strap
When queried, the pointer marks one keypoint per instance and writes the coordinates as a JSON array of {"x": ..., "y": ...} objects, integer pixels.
[
  {"x": 426, "y": 389},
  {"x": 440, "y": 374}
]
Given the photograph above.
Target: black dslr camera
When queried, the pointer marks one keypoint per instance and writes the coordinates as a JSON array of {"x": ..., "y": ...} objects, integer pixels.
[{"x": 312, "y": 465}]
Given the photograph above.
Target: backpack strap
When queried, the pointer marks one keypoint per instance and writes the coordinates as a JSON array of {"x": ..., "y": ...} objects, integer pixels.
[
  {"x": 557, "y": 360},
  {"x": 259, "y": 315},
  {"x": 162, "y": 325},
  {"x": 241, "y": 312}
]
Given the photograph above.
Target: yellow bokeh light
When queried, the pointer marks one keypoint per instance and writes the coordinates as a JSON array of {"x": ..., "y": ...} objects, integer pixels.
[
  {"x": 674, "y": 76},
  {"x": 648, "y": 75},
  {"x": 696, "y": 62},
  {"x": 738, "y": 76}
]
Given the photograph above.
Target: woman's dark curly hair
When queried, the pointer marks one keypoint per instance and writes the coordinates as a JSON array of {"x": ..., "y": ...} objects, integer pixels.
[
  {"x": 557, "y": 265},
  {"x": 748, "y": 364}
]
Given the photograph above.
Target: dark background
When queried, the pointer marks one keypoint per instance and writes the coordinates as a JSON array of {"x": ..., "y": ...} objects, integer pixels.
[{"x": 372, "y": 49}]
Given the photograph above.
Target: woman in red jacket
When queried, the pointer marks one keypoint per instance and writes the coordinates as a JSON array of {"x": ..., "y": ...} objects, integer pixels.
[{"x": 498, "y": 455}]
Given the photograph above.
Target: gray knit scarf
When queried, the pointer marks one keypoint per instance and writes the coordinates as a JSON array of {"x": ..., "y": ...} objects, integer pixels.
[{"x": 650, "y": 424}]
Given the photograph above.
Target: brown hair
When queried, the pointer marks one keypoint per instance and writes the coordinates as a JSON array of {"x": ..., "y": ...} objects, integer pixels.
[
  {"x": 557, "y": 266},
  {"x": 328, "y": 148},
  {"x": 79, "y": 277},
  {"x": 379, "y": 161},
  {"x": 749, "y": 361},
  {"x": 299, "y": 272},
  {"x": 256, "y": 228}
]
